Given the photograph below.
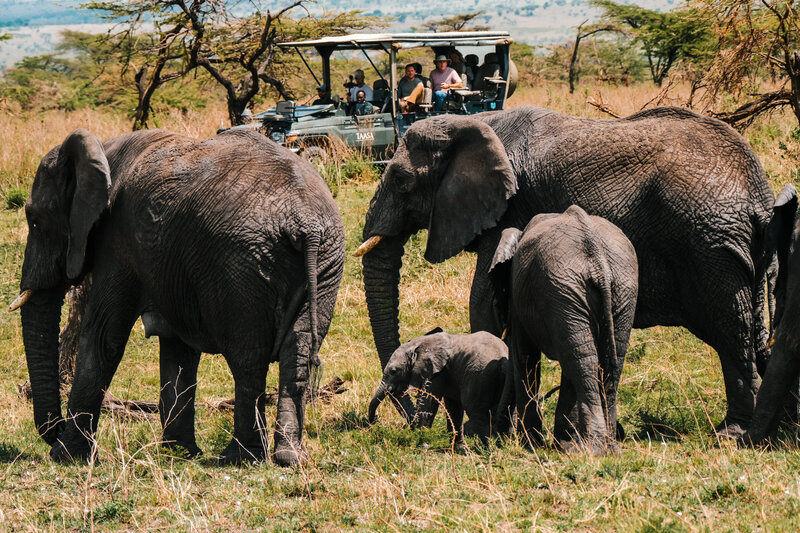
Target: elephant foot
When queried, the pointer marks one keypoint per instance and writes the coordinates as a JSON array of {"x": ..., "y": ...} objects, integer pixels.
[
  {"x": 754, "y": 440},
  {"x": 597, "y": 447},
  {"x": 236, "y": 453},
  {"x": 186, "y": 449},
  {"x": 70, "y": 452},
  {"x": 288, "y": 455},
  {"x": 730, "y": 430}
]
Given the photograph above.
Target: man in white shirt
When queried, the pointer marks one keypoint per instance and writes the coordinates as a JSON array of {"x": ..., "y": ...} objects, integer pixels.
[{"x": 359, "y": 86}]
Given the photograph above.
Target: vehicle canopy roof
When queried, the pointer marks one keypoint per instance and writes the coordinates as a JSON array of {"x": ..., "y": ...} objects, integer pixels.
[{"x": 382, "y": 41}]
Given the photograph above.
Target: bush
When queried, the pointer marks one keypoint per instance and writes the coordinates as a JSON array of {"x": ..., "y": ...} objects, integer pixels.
[{"x": 15, "y": 197}]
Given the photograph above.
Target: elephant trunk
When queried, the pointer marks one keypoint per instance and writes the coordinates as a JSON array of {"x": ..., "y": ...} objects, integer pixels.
[
  {"x": 780, "y": 375},
  {"x": 381, "y": 281},
  {"x": 377, "y": 398},
  {"x": 40, "y": 328}
]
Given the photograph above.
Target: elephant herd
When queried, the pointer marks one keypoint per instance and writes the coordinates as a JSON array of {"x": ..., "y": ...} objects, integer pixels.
[{"x": 582, "y": 229}]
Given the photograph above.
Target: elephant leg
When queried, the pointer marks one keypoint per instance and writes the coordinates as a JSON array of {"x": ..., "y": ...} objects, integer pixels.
[
  {"x": 249, "y": 442},
  {"x": 455, "y": 421},
  {"x": 725, "y": 322},
  {"x": 585, "y": 376},
  {"x": 781, "y": 375},
  {"x": 109, "y": 317},
  {"x": 428, "y": 401},
  {"x": 565, "y": 427},
  {"x": 178, "y": 388},
  {"x": 526, "y": 360}
]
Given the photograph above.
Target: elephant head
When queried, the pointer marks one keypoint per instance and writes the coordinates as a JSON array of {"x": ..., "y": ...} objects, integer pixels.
[
  {"x": 412, "y": 364},
  {"x": 70, "y": 192},
  {"x": 451, "y": 176}
]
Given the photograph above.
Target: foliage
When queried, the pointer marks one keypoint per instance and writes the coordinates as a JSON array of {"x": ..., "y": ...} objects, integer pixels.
[
  {"x": 87, "y": 72},
  {"x": 237, "y": 49},
  {"x": 613, "y": 59},
  {"x": 666, "y": 38},
  {"x": 454, "y": 23},
  {"x": 15, "y": 197},
  {"x": 756, "y": 38}
]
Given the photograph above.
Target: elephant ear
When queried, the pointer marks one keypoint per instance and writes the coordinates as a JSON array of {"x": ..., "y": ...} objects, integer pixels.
[
  {"x": 430, "y": 360},
  {"x": 474, "y": 190},
  {"x": 85, "y": 160}
]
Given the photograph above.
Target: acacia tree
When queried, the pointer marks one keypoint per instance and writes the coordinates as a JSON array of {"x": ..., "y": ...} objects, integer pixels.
[
  {"x": 238, "y": 50},
  {"x": 665, "y": 38},
  {"x": 581, "y": 34},
  {"x": 454, "y": 23},
  {"x": 756, "y": 38}
]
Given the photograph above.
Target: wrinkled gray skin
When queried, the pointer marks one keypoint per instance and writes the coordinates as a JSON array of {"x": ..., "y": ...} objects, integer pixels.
[
  {"x": 572, "y": 281},
  {"x": 231, "y": 245},
  {"x": 784, "y": 364},
  {"x": 687, "y": 191},
  {"x": 466, "y": 372}
]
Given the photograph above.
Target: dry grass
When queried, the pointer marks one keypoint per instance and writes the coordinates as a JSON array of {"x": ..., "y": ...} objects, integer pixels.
[{"x": 673, "y": 475}]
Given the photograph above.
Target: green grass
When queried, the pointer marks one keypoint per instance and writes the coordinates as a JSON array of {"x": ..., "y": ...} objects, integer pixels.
[{"x": 673, "y": 473}]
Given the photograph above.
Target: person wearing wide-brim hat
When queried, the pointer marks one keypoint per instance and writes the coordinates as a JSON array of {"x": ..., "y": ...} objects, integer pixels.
[{"x": 443, "y": 78}]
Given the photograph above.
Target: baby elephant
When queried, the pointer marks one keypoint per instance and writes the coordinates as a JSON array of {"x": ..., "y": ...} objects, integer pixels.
[
  {"x": 572, "y": 287},
  {"x": 467, "y": 372}
]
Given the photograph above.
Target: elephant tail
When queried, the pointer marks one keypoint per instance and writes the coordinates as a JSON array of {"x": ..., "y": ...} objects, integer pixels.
[
  {"x": 607, "y": 347},
  {"x": 312, "y": 241}
]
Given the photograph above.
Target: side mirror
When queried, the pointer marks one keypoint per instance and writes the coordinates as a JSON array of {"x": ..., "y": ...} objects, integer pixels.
[{"x": 285, "y": 107}]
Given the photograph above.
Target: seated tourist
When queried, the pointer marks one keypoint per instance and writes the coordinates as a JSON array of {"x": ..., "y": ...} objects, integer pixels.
[
  {"x": 323, "y": 96},
  {"x": 442, "y": 79},
  {"x": 358, "y": 76},
  {"x": 471, "y": 64},
  {"x": 410, "y": 90},
  {"x": 363, "y": 107}
]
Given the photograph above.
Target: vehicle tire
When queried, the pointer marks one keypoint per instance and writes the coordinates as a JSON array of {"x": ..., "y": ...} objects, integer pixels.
[{"x": 317, "y": 155}]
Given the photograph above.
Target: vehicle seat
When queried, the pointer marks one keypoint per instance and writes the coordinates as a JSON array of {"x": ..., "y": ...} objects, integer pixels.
[
  {"x": 489, "y": 69},
  {"x": 380, "y": 92},
  {"x": 427, "y": 99}
]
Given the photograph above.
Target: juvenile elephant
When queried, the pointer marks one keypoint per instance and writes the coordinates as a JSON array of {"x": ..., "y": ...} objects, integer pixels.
[
  {"x": 573, "y": 284},
  {"x": 686, "y": 190},
  {"x": 231, "y": 245},
  {"x": 467, "y": 372}
]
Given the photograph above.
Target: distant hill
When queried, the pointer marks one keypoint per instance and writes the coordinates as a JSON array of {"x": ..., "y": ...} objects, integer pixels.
[{"x": 35, "y": 24}]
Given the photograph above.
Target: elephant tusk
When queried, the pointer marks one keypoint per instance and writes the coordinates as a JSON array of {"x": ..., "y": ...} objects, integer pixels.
[
  {"x": 368, "y": 245},
  {"x": 770, "y": 342},
  {"x": 20, "y": 301}
]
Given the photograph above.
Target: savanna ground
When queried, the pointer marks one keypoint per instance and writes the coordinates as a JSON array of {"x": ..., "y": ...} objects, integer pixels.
[{"x": 673, "y": 473}]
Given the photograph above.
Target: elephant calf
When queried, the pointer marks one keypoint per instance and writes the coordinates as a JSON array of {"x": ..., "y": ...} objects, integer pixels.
[
  {"x": 467, "y": 372},
  {"x": 572, "y": 287}
]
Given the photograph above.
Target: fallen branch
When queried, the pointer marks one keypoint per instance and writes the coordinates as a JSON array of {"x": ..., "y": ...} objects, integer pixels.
[
  {"x": 602, "y": 107},
  {"x": 749, "y": 111},
  {"x": 142, "y": 410}
]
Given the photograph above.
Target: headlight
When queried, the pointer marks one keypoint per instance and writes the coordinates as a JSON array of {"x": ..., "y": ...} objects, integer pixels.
[{"x": 277, "y": 136}]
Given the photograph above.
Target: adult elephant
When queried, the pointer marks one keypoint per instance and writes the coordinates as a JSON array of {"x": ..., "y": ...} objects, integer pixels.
[
  {"x": 231, "y": 245},
  {"x": 687, "y": 191}
]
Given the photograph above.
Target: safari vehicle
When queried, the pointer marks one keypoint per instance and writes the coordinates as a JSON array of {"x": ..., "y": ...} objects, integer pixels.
[{"x": 310, "y": 129}]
